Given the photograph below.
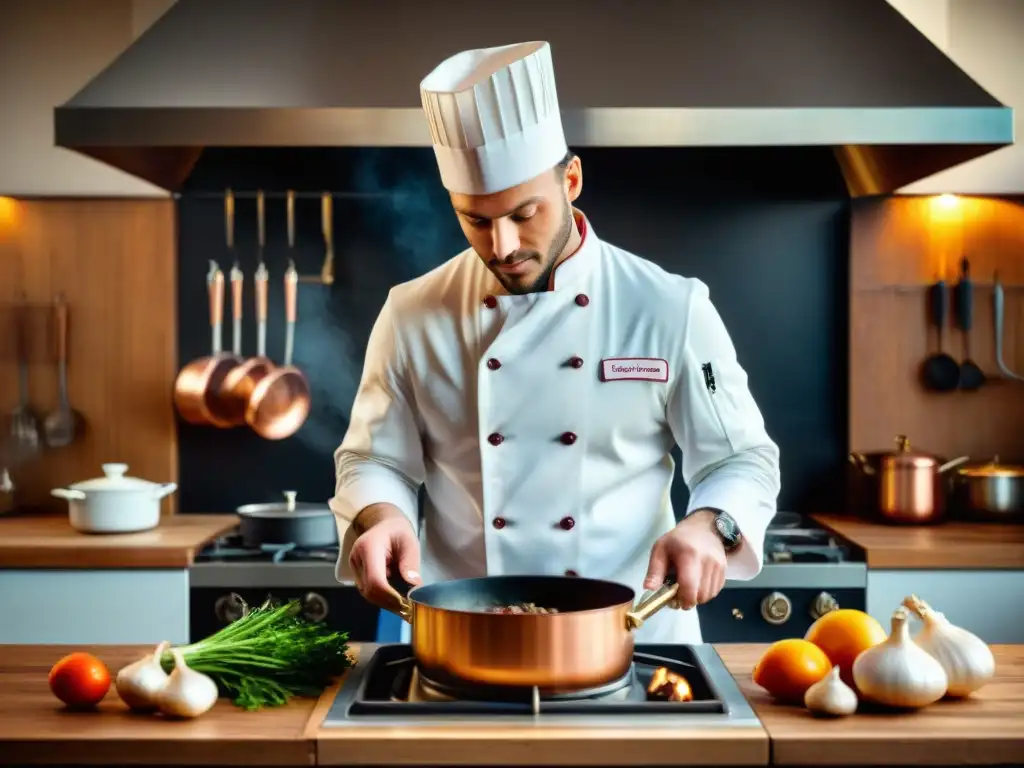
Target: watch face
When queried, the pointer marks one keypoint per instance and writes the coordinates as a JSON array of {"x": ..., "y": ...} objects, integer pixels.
[{"x": 727, "y": 528}]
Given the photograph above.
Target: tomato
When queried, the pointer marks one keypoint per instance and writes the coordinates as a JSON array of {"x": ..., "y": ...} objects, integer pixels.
[{"x": 80, "y": 680}]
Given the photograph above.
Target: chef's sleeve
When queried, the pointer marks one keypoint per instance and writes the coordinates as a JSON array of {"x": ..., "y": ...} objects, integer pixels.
[
  {"x": 380, "y": 458},
  {"x": 729, "y": 463}
]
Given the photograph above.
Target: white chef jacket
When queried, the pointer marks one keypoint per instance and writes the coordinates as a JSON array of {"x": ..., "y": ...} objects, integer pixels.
[{"x": 542, "y": 424}]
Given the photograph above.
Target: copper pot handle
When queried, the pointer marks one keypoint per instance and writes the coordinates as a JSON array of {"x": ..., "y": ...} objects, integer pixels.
[
  {"x": 215, "y": 286},
  {"x": 953, "y": 463},
  {"x": 652, "y": 602}
]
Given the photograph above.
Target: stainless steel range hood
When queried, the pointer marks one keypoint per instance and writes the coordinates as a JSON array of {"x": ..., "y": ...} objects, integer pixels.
[{"x": 853, "y": 75}]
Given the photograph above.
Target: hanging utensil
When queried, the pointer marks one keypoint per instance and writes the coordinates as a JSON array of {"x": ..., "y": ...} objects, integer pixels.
[
  {"x": 971, "y": 375},
  {"x": 280, "y": 401},
  {"x": 940, "y": 372},
  {"x": 326, "y": 276},
  {"x": 24, "y": 423},
  {"x": 998, "y": 306},
  {"x": 198, "y": 385},
  {"x": 61, "y": 426},
  {"x": 241, "y": 380}
]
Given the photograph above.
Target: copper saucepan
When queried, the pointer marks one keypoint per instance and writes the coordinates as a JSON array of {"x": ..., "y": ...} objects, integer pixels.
[
  {"x": 280, "y": 401},
  {"x": 587, "y": 643},
  {"x": 241, "y": 380},
  {"x": 198, "y": 383}
]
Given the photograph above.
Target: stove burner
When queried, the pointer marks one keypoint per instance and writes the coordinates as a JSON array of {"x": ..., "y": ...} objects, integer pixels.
[
  {"x": 424, "y": 688},
  {"x": 232, "y": 547},
  {"x": 393, "y": 686}
]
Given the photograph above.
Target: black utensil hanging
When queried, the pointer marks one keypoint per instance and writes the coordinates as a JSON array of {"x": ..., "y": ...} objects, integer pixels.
[
  {"x": 971, "y": 375},
  {"x": 940, "y": 372}
]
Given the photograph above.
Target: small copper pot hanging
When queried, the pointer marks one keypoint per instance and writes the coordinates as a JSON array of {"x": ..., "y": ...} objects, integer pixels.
[
  {"x": 197, "y": 385},
  {"x": 280, "y": 401}
]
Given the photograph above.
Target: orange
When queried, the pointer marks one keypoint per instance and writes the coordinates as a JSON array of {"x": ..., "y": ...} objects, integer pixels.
[
  {"x": 789, "y": 667},
  {"x": 843, "y": 635},
  {"x": 79, "y": 680}
]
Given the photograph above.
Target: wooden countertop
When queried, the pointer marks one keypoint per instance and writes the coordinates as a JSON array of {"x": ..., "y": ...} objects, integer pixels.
[
  {"x": 34, "y": 730},
  {"x": 952, "y": 545},
  {"x": 987, "y": 729},
  {"x": 49, "y": 541}
]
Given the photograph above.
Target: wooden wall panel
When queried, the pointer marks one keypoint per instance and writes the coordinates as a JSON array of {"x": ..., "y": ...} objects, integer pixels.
[
  {"x": 115, "y": 262},
  {"x": 899, "y": 246}
]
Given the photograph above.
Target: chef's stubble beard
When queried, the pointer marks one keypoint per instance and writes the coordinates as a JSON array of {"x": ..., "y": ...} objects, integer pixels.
[{"x": 558, "y": 243}]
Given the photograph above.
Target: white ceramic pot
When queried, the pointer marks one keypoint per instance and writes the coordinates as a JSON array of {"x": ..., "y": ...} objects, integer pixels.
[{"x": 115, "y": 503}]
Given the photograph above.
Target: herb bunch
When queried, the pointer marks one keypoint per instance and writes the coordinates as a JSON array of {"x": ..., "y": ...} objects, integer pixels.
[{"x": 268, "y": 656}]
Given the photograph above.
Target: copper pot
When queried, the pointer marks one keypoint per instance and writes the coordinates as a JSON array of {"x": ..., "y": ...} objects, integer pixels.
[
  {"x": 197, "y": 385},
  {"x": 587, "y": 643},
  {"x": 905, "y": 486},
  {"x": 990, "y": 492},
  {"x": 279, "y": 401}
]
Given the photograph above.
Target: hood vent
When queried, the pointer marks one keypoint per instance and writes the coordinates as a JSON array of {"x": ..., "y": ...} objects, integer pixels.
[{"x": 851, "y": 75}]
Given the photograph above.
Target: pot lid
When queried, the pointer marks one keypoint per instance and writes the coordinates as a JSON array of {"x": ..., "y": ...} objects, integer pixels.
[
  {"x": 115, "y": 480},
  {"x": 906, "y": 457},
  {"x": 287, "y": 508},
  {"x": 993, "y": 469}
]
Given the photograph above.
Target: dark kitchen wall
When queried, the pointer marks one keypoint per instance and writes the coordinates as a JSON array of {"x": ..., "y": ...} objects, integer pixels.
[{"x": 767, "y": 230}]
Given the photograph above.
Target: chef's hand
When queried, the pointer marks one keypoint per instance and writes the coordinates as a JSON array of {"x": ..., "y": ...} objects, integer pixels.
[
  {"x": 386, "y": 545},
  {"x": 697, "y": 555}
]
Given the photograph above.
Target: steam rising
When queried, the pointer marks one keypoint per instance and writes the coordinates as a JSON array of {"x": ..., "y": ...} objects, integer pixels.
[{"x": 397, "y": 225}]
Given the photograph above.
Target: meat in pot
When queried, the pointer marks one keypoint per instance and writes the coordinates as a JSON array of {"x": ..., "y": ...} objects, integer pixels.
[{"x": 520, "y": 608}]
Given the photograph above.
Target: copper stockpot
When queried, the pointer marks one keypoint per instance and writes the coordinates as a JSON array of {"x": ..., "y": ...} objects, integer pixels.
[
  {"x": 198, "y": 383},
  {"x": 904, "y": 487},
  {"x": 588, "y": 643}
]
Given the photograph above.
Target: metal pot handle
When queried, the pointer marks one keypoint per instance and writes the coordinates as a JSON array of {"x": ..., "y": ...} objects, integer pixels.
[
  {"x": 953, "y": 463},
  {"x": 400, "y": 589},
  {"x": 652, "y": 602}
]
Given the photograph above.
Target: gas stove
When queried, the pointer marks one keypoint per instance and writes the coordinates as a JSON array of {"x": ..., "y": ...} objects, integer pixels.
[
  {"x": 386, "y": 689},
  {"x": 807, "y": 570}
]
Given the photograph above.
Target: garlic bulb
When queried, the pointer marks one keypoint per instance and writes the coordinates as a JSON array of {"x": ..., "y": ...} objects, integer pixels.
[
  {"x": 898, "y": 673},
  {"x": 831, "y": 696},
  {"x": 965, "y": 657},
  {"x": 139, "y": 683},
  {"x": 187, "y": 693}
]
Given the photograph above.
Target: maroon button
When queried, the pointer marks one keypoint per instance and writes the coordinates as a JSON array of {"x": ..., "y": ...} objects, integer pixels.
[
  {"x": 494, "y": 364},
  {"x": 495, "y": 439},
  {"x": 576, "y": 362},
  {"x": 571, "y": 572},
  {"x": 498, "y": 522},
  {"x": 568, "y": 438},
  {"x": 567, "y": 523},
  {"x": 490, "y": 302},
  {"x": 582, "y": 299}
]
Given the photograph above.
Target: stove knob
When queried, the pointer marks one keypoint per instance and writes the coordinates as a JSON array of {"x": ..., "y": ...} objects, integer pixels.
[
  {"x": 823, "y": 603},
  {"x": 776, "y": 608},
  {"x": 314, "y": 607},
  {"x": 229, "y": 608}
]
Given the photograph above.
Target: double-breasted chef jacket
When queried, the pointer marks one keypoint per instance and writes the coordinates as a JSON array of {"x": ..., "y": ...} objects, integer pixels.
[{"x": 542, "y": 424}]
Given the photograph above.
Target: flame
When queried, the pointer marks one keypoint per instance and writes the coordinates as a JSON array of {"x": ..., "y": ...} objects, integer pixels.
[{"x": 669, "y": 686}]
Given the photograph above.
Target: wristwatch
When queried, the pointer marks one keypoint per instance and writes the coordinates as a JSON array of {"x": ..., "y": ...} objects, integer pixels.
[{"x": 727, "y": 529}]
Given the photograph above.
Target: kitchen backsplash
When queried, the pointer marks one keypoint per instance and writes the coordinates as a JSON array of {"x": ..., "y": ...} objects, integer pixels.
[
  {"x": 768, "y": 232},
  {"x": 898, "y": 248}
]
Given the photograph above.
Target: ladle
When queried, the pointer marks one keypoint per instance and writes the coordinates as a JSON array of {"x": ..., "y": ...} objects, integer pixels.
[{"x": 939, "y": 371}]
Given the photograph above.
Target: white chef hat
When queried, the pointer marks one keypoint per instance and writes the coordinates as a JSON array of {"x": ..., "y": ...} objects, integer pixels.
[{"x": 494, "y": 118}]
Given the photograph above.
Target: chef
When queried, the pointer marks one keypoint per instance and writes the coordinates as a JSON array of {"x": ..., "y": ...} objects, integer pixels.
[{"x": 534, "y": 385}]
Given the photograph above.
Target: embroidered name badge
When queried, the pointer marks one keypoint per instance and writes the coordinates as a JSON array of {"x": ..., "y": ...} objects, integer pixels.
[{"x": 634, "y": 369}]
